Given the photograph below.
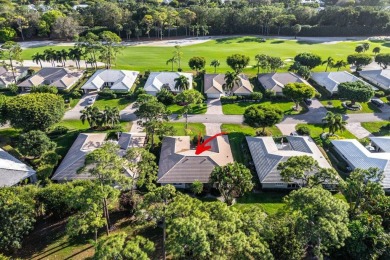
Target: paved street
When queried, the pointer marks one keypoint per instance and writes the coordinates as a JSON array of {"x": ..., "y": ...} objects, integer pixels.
[{"x": 74, "y": 113}]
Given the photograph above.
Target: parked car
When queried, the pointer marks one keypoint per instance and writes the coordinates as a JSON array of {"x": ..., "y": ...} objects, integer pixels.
[
  {"x": 91, "y": 100},
  {"x": 377, "y": 102},
  {"x": 308, "y": 101}
]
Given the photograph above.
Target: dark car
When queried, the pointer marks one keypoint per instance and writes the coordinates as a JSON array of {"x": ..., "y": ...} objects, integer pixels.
[
  {"x": 308, "y": 101},
  {"x": 377, "y": 102}
]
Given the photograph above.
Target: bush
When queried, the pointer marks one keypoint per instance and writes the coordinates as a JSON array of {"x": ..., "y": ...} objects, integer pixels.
[
  {"x": 269, "y": 94},
  {"x": 138, "y": 92},
  {"x": 107, "y": 94},
  {"x": 59, "y": 130},
  {"x": 44, "y": 172},
  {"x": 303, "y": 130},
  {"x": 50, "y": 158},
  {"x": 229, "y": 99},
  {"x": 257, "y": 96},
  {"x": 13, "y": 88},
  {"x": 165, "y": 96},
  {"x": 379, "y": 93},
  {"x": 44, "y": 89},
  {"x": 75, "y": 94}
]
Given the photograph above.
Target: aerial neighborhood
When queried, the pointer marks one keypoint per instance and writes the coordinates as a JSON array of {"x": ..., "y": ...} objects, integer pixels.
[{"x": 194, "y": 130}]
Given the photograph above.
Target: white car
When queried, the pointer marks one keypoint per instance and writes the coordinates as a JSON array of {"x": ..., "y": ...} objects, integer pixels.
[{"x": 91, "y": 100}]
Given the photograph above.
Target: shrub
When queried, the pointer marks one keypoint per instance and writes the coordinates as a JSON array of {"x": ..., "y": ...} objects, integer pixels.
[
  {"x": 44, "y": 172},
  {"x": 107, "y": 94},
  {"x": 257, "y": 96},
  {"x": 269, "y": 94},
  {"x": 165, "y": 96},
  {"x": 50, "y": 158},
  {"x": 379, "y": 93},
  {"x": 229, "y": 99},
  {"x": 44, "y": 89},
  {"x": 59, "y": 130},
  {"x": 138, "y": 92},
  {"x": 303, "y": 130},
  {"x": 75, "y": 94}
]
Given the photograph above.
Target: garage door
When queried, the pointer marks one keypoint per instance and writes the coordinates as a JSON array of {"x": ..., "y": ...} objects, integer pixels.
[{"x": 213, "y": 95}]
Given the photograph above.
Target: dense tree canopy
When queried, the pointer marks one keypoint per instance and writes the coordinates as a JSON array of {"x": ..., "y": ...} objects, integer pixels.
[
  {"x": 262, "y": 116},
  {"x": 359, "y": 60},
  {"x": 356, "y": 91},
  {"x": 309, "y": 60},
  {"x": 383, "y": 59},
  {"x": 35, "y": 143},
  {"x": 35, "y": 111},
  {"x": 237, "y": 62},
  {"x": 298, "y": 92}
]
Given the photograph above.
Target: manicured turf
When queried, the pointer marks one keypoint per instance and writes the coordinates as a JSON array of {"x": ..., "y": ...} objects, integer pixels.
[
  {"x": 270, "y": 202},
  {"x": 197, "y": 109},
  {"x": 239, "y": 107},
  {"x": 194, "y": 128},
  {"x": 367, "y": 107},
  {"x": 154, "y": 58},
  {"x": 378, "y": 128},
  {"x": 120, "y": 103}
]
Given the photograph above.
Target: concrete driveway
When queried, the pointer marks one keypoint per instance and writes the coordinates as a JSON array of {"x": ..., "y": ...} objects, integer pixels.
[
  {"x": 127, "y": 114},
  {"x": 212, "y": 128},
  {"x": 214, "y": 107},
  {"x": 74, "y": 113}
]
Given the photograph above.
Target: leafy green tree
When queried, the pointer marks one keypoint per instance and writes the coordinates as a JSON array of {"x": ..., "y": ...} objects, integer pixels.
[
  {"x": 359, "y": 60},
  {"x": 356, "y": 91},
  {"x": 35, "y": 111},
  {"x": 309, "y": 60},
  {"x": 109, "y": 47},
  {"x": 17, "y": 216},
  {"x": 233, "y": 179},
  {"x": 35, "y": 143},
  {"x": 47, "y": 21},
  {"x": 296, "y": 29},
  {"x": 305, "y": 171},
  {"x": 262, "y": 116},
  {"x": 119, "y": 246},
  {"x": 376, "y": 50},
  {"x": 215, "y": 64},
  {"x": 197, "y": 187},
  {"x": 7, "y": 34},
  {"x": 298, "y": 92},
  {"x": 145, "y": 98},
  {"x": 44, "y": 89},
  {"x": 197, "y": 63},
  {"x": 322, "y": 220},
  {"x": 262, "y": 61},
  {"x": 182, "y": 83},
  {"x": 383, "y": 59},
  {"x": 334, "y": 122},
  {"x": 359, "y": 49},
  {"x": 90, "y": 46},
  {"x": 189, "y": 98},
  {"x": 165, "y": 96},
  {"x": 339, "y": 64},
  {"x": 237, "y": 62},
  {"x": 303, "y": 71},
  {"x": 275, "y": 63},
  {"x": 11, "y": 51},
  {"x": 366, "y": 46}
]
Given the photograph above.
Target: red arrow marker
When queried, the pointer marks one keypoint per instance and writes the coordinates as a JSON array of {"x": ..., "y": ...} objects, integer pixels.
[{"x": 200, "y": 148}]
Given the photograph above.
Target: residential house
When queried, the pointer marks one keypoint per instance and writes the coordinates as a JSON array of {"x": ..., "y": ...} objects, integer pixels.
[
  {"x": 214, "y": 85},
  {"x": 267, "y": 155},
  {"x": 13, "y": 171},
  {"x": 276, "y": 81},
  {"x": 180, "y": 166},
  {"x": 376, "y": 155},
  {"x": 62, "y": 78},
  {"x": 116, "y": 80},
  {"x": 331, "y": 80},
  {"x": 159, "y": 80},
  {"x": 380, "y": 78},
  {"x": 7, "y": 76}
]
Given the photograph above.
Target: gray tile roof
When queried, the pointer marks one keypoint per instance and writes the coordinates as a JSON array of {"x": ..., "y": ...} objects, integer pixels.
[
  {"x": 157, "y": 80},
  {"x": 359, "y": 157},
  {"x": 131, "y": 140},
  {"x": 7, "y": 77},
  {"x": 12, "y": 171},
  {"x": 266, "y": 155},
  {"x": 378, "y": 77},
  {"x": 120, "y": 79},
  {"x": 179, "y": 164},
  {"x": 75, "y": 158},
  {"x": 382, "y": 142},
  {"x": 60, "y": 77},
  {"x": 276, "y": 81}
]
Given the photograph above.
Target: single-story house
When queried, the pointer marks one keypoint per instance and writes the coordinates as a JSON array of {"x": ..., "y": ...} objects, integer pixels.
[
  {"x": 158, "y": 80},
  {"x": 276, "y": 81},
  {"x": 86, "y": 143},
  {"x": 116, "y": 80},
  {"x": 380, "y": 78},
  {"x": 331, "y": 80},
  {"x": 62, "y": 78},
  {"x": 180, "y": 166},
  {"x": 267, "y": 155},
  {"x": 213, "y": 85},
  {"x": 7, "y": 77},
  {"x": 13, "y": 171},
  {"x": 376, "y": 155}
]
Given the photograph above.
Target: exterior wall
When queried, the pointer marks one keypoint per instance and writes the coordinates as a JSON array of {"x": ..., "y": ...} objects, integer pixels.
[
  {"x": 280, "y": 185},
  {"x": 214, "y": 95},
  {"x": 176, "y": 185}
]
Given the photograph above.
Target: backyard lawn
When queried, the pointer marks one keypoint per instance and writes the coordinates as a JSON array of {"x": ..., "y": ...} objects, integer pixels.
[
  {"x": 144, "y": 58},
  {"x": 337, "y": 107},
  {"x": 197, "y": 109},
  {"x": 194, "y": 128},
  {"x": 239, "y": 107},
  {"x": 381, "y": 128},
  {"x": 270, "y": 202}
]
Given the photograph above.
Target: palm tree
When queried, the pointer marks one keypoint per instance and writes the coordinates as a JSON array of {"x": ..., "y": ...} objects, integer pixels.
[
  {"x": 182, "y": 83},
  {"x": 38, "y": 58},
  {"x": 92, "y": 115},
  {"x": 111, "y": 116},
  {"x": 75, "y": 55},
  {"x": 366, "y": 46},
  {"x": 376, "y": 50},
  {"x": 231, "y": 79},
  {"x": 50, "y": 56},
  {"x": 215, "y": 64},
  {"x": 328, "y": 62},
  {"x": 334, "y": 122},
  {"x": 178, "y": 54},
  {"x": 172, "y": 60},
  {"x": 339, "y": 64}
]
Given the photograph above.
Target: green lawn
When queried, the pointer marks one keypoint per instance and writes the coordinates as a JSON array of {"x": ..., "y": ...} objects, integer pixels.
[
  {"x": 239, "y": 107},
  {"x": 237, "y": 140},
  {"x": 194, "y": 128},
  {"x": 339, "y": 109},
  {"x": 120, "y": 103},
  {"x": 270, "y": 202},
  {"x": 378, "y": 128},
  {"x": 154, "y": 58},
  {"x": 197, "y": 109}
]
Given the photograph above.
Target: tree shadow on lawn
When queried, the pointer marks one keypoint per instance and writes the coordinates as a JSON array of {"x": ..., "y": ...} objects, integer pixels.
[
  {"x": 252, "y": 39},
  {"x": 277, "y": 42},
  {"x": 225, "y": 40}
]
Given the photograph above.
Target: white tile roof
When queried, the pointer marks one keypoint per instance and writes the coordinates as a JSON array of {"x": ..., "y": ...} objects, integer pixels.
[
  {"x": 157, "y": 80},
  {"x": 331, "y": 80},
  {"x": 59, "y": 77},
  {"x": 121, "y": 79},
  {"x": 7, "y": 77},
  {"x": 276, "y": 81},
  {"x": 179, "y": 164},
  {"x": 12, "y": 171},
  {"x": 359, "y": 157},
  {"x": 266, "y": 155},
  {"x": 378, "y": 77}
]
